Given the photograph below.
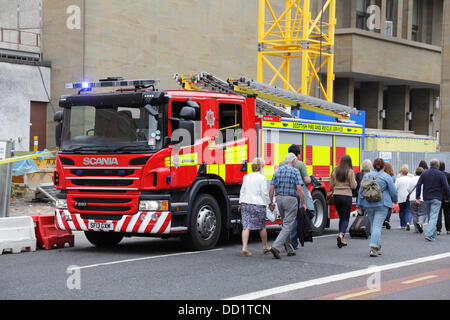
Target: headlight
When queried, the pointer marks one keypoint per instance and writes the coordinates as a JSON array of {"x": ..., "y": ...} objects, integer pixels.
[
  {"x": 153, "y": 205},
  {"x": 61, "y": 204}
]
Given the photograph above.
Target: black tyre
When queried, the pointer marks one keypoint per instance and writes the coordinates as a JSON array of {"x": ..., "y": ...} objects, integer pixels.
[
  {"x": 204, "y": 223},
  {"x": 320, "y": 213},
  {"x": 103, "y": 239}
]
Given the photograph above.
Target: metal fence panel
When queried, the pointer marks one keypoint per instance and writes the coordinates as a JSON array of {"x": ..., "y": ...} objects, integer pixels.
[{"x": 412, "y": 159}]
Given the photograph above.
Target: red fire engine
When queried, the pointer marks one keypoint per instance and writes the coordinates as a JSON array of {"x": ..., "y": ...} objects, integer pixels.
[{"x": 143, "y": 162}]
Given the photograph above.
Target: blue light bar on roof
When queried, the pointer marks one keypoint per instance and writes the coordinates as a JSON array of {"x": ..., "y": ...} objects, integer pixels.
[{"x": 120, "y": 83}]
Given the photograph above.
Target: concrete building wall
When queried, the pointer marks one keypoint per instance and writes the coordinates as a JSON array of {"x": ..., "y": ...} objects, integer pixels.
[
  {"x": 20, "y": 85},
  {"x": 23, "y": 15},
  {"x": 364, "y": 52}
]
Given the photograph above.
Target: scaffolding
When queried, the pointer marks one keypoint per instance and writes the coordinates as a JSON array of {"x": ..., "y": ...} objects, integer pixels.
[{"x": 297, "y": 35}]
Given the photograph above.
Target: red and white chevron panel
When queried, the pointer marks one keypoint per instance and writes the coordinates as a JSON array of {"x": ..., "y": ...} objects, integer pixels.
[{"x": 141, "y": 222}]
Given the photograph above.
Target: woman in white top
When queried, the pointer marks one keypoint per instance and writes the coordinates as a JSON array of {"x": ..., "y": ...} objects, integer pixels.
[
  {"x": 401, "y": 184},
  {"x": 254, "y": 198},
  {"x": 418, "y": 211}
]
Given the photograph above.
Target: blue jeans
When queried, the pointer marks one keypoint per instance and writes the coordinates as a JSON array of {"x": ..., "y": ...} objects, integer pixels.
[
  {"x": 388, "y": 216},
  {"x": 376, "y": 215},
  {"x": 433, "y": 208},
  {"x": 404, "y": 214}
]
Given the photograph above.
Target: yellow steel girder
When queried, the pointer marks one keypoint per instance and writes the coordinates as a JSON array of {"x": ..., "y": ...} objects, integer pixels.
[{"x": 296, "y": 35}]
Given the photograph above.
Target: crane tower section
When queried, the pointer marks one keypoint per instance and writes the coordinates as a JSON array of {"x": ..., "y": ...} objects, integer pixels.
[{"x": 298, "y": 39}]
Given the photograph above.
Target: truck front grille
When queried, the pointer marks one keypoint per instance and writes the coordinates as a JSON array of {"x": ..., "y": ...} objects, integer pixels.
[
  {"x": 101, "y": 183},
  {"x": 103, "y": 204}
]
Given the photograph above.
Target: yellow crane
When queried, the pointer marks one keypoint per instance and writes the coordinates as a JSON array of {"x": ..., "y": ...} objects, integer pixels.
[{"x": 297, "y": 35}]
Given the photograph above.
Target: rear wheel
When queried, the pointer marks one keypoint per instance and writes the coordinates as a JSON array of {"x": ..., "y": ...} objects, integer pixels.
[
  {"x": 204, "y": 223},
  {"x": 320, "y": 213},
  {"x": 103, "y": 239}
]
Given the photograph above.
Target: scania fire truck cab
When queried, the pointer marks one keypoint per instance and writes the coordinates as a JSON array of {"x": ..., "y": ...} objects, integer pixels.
[
  {"x": 118, "y": 173},
  {"x": 144, "y": 162}
]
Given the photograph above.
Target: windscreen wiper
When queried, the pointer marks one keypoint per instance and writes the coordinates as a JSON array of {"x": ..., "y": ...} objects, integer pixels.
[
  {"x": 84, "y": 148},
  {"x": 131, "y": 148}
]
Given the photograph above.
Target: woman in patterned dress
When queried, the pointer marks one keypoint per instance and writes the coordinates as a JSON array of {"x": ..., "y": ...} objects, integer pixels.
[{"x": 254, "y": 198}]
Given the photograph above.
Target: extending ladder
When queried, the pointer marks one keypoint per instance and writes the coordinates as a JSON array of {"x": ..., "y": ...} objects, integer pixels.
[
  {"x": 207, "y": 82},
  {"x": 266, "y": 95}
]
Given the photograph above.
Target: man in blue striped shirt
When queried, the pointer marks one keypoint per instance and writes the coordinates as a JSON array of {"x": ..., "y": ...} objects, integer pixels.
[{"x": 287, "y": 184}]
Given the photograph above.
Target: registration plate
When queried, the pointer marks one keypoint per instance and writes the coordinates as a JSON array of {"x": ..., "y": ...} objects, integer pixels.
[{"x": 102, "y": 226}]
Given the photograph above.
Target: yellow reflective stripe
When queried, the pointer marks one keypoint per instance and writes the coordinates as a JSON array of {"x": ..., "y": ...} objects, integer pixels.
[
  {"x": 354, "y": 154},
  {"x": 321, "y": 156},
  {"x": 188, "y": 159},
  {"x": 236, "y": 154},
  {"x": 182, "y": 160},
  {"x": 216, "y": 169},
  {"x": 212, "y": 169},
  {"x": 280, "y": 152},
  {"x": 310, "y": 170},
  {"x": 269, "y": 171},
  {"x": 222, "y": 171}
]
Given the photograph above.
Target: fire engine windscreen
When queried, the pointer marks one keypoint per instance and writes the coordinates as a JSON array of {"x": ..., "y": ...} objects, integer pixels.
[{"x": 112, "y": 129}]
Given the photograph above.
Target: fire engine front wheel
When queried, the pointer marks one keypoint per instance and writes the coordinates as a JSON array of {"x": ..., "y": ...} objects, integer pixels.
[
  {"x": 204, "y": 224},
  {"x": 320, "y": 218},
  {"x": 103, "y": 239}
]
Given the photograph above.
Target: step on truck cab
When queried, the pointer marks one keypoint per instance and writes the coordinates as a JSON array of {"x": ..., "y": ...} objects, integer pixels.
[{"x": 139, "y": 161}]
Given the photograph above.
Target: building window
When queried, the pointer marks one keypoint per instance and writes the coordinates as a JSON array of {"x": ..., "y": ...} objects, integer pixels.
[
  {"x": 361, "y": 14},
  {"x": 417, "y": 5},
  {"x": 389, "y": 18}
]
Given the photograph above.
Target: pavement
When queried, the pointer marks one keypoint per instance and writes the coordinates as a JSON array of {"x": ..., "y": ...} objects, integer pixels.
[{"x": 26, "y": 206}]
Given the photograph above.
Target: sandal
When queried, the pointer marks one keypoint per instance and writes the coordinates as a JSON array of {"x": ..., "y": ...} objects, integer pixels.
[
  {"x": 340, "y": 243},
  {"x": 246, "y": 253},
  {"x": 266, "y": 250}
]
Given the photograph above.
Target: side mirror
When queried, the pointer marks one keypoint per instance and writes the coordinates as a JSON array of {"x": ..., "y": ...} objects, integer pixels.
[
  {"x": 187, "y": 113},
  {"x": 59, "y": 116},
  {"x": 151, "y": 109},
  {"x": 166, "y": 142},
  {"x": 192, "y": 104}
]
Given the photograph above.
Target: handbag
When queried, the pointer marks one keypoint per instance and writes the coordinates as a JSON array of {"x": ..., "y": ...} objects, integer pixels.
[
  {"x": 272, "y": 215},
  {"x": 330, "y": 199},
  {"x": 409, "y": 194}
]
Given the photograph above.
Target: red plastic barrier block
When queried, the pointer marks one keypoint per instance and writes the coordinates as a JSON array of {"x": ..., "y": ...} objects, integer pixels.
[{"x": 48, "y": 236}]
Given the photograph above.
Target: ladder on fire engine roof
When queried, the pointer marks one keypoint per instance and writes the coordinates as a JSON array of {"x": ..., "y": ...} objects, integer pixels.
[{"x": 266, "y": 95}]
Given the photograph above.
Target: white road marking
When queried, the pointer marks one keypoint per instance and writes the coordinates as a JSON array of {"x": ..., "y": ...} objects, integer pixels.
[
  {"x": 337, "y": 277},
  {"x": 141, "y": 259}
]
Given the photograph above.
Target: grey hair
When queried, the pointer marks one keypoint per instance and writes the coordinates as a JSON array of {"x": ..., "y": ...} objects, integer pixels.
[
  {"x": 258, "y": 165},
  {"x": 290, "y": 157},
  {"x": 434, "y": 163},
  {"x": 366, "y": 166}
]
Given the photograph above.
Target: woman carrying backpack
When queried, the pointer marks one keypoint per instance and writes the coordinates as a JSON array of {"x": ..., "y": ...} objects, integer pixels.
[
  {"x": 343, "y": 182},
  {"x": 376, "y": 194}
]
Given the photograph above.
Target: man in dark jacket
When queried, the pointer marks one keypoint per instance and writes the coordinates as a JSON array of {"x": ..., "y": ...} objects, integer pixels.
[
  {"x": 445, "y": 205},
  {"x": 435, "y": 188}
]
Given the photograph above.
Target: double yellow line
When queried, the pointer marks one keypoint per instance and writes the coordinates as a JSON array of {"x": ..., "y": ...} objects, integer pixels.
[{"x": 32, "y": 156}]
